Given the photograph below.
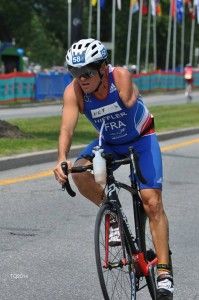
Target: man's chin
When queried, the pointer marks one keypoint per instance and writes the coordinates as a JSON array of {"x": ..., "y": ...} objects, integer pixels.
[{"x": 87, "y": 89}]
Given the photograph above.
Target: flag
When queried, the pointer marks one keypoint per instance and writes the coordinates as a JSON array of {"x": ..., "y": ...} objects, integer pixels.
[
  {"x": 134, "y": 6},
  {"x": 191, "y": 10},
  {"x": 102, "y": 3},
  {"x": 144, "y": 8},
  {"x": 196, "y": 3},
  {"x": 94, "y": 2},
  {"x": 158, "y": 8},
  {"x": 153, "y": 7},
  {"x": 173, "y": 8},
  {"x": 179, "y": 8},
  {"x": 119, "y": 4}
]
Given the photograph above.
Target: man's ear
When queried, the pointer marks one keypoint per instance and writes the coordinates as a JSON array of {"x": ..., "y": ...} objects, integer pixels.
[{"x": 103, "y": 67}]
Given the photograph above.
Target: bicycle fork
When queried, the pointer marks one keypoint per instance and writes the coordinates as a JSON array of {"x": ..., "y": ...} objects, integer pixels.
[{"x": 124, "y": 261}]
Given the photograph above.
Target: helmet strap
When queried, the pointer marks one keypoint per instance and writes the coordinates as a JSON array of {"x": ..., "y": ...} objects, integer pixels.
[{"x": 100, "y": 76}]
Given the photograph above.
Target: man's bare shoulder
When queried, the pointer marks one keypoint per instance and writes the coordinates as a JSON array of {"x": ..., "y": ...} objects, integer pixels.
[
  {"x": 73, "y": 90},
  {"x": 122, "y": 77},
  {"x": 73, "y": 96},
  {"x": 121, "y": 71},
  {"x": 128, "y": 91}
]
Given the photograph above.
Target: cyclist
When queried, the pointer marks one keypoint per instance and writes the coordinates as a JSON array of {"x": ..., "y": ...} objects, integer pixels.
[
  {"x": 106, "y": 93},
  {"x": 188, "y": 76}
]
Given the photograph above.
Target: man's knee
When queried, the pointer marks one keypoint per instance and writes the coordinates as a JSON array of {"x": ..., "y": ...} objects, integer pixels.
[
  {"x": 82, "y": 180},
  {"x": 152, "y": 200}
]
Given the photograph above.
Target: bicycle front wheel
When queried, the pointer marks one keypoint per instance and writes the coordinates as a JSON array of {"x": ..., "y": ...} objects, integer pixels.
[{"x": 114, "y": 261}]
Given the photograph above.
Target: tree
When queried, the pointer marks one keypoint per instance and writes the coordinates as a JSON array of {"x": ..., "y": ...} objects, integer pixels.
[{"x": 40, "y": 27}]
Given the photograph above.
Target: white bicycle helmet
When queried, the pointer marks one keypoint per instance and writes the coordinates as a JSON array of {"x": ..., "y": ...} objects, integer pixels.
[{"x": 84, "y": 52}]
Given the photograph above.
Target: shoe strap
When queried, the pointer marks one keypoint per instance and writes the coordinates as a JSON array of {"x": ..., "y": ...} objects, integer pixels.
[{"x": 164, "y": 276}]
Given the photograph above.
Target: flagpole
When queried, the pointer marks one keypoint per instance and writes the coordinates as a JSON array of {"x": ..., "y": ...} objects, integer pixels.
[
  {"x": 182, "y": 37},
  {"x": 148, "y": 38},
  {"x": 192, "y": 37},
  {"x": 69, "y": 23},
  {"x": 174, "y": 40},
  {"x": 154, "y": 43},
  {"x": 169, "y": 38},
  {"x": 90, "y": 18},
  {"x": 139, "y": 37},
  {"x": 119, "y": 4},
  {"x": 129, "y": 37},
  {"x": 113, "y": 32},
  {"x": 98, "y": 20}
]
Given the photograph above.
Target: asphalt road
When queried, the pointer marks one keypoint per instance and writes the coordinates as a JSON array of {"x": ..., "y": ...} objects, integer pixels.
[
  {"x": 46, "y": 110},
  {"x": 46, "y": 237}
]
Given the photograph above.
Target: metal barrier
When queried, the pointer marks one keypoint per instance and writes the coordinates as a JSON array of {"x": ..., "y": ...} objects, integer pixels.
[
  {"x": 17, "y": 86},
  {"x": 51, "y": 85},
  {"x": 160, "y": 80},
  {"x": 26, "y": 86}
]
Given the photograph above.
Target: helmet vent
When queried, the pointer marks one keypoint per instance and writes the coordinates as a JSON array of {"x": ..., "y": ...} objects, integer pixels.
[
  {"x": 94, "y": 53},
  {"x": 90, "y": 50}
]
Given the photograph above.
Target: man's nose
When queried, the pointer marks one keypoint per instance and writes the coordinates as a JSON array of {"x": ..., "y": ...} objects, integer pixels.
[{"x": 82, "y": 78}]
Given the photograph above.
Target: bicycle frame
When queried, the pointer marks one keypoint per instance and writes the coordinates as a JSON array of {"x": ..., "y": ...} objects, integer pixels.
[{"x": 135, "y": 242}]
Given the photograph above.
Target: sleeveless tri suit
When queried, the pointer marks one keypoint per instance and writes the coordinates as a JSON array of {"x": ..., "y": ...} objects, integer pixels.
[{"x": 125, "y": 127}]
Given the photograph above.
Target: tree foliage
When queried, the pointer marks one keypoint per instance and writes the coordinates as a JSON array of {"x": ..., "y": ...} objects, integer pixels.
[{"x": 40, "y": 27}]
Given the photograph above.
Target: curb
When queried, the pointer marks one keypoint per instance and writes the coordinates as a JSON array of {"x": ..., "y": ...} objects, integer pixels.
[{"x": 28, "y": 159}]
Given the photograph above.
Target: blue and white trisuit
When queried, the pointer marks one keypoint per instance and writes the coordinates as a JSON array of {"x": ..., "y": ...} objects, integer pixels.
[{"x": 122, "y": 127}]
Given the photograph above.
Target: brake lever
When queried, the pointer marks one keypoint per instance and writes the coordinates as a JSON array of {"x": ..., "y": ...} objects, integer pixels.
[{"x": 66, "y": 186}]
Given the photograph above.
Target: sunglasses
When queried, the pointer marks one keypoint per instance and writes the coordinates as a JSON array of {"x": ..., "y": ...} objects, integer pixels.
[{"x": 86, "y": 72}]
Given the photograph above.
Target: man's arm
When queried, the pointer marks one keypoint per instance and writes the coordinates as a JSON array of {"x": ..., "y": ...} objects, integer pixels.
[
  {"x": 127, "y": 89},
  {"x": 70, "y": 115}
]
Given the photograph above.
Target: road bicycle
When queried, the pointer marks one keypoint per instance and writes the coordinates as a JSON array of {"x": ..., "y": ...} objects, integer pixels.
[{"x": 130, "y": 265}]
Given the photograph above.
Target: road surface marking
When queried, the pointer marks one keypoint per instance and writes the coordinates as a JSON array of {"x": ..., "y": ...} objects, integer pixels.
[
  {"x": 34, "y": 176},
  {"x": 174, "y": 146},
  {"x": 50, "y": 173}
]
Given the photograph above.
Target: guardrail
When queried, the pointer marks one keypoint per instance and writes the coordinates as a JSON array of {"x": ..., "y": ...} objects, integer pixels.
[
  {"x": 17, "y": 85},
  {"x": 163, "y": 81},
  {"x": 29, "y": 86}
]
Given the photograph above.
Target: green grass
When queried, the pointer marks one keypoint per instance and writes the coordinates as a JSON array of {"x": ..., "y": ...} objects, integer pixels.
[
  {"x": 174, "y": 117},
  {"x": 44, "y": 134},
  {"x": 45, "y": 131}
]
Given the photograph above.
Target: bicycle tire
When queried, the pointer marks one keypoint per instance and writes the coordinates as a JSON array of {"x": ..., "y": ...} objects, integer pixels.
[{"x": 116, "y": 279}]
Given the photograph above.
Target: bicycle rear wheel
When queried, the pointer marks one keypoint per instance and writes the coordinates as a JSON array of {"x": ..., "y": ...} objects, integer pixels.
[{"x": 116, "y": 275}]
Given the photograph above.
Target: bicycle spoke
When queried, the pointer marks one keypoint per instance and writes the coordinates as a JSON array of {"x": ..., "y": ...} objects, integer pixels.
[{"x": 115, "y": 277}]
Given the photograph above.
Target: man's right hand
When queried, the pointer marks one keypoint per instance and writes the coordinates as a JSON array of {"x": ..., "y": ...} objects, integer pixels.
[{"x": 59, "y": 174}]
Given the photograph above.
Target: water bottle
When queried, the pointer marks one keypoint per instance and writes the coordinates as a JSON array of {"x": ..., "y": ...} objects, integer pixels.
[{"x": 99, "y": 165}]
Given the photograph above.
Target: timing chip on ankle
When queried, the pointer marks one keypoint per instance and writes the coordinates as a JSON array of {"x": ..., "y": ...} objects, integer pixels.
[{"x": 164, "y": 267}]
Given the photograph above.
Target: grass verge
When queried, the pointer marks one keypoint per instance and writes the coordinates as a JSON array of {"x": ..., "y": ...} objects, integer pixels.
[{"x": 45, "y": 131}]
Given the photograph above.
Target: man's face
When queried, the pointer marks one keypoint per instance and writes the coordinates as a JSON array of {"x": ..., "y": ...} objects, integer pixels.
[{"x": 89, "y": 85}]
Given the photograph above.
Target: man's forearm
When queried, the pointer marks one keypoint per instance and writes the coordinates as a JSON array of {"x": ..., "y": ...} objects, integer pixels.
[{"x": 64, "y": 144}]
